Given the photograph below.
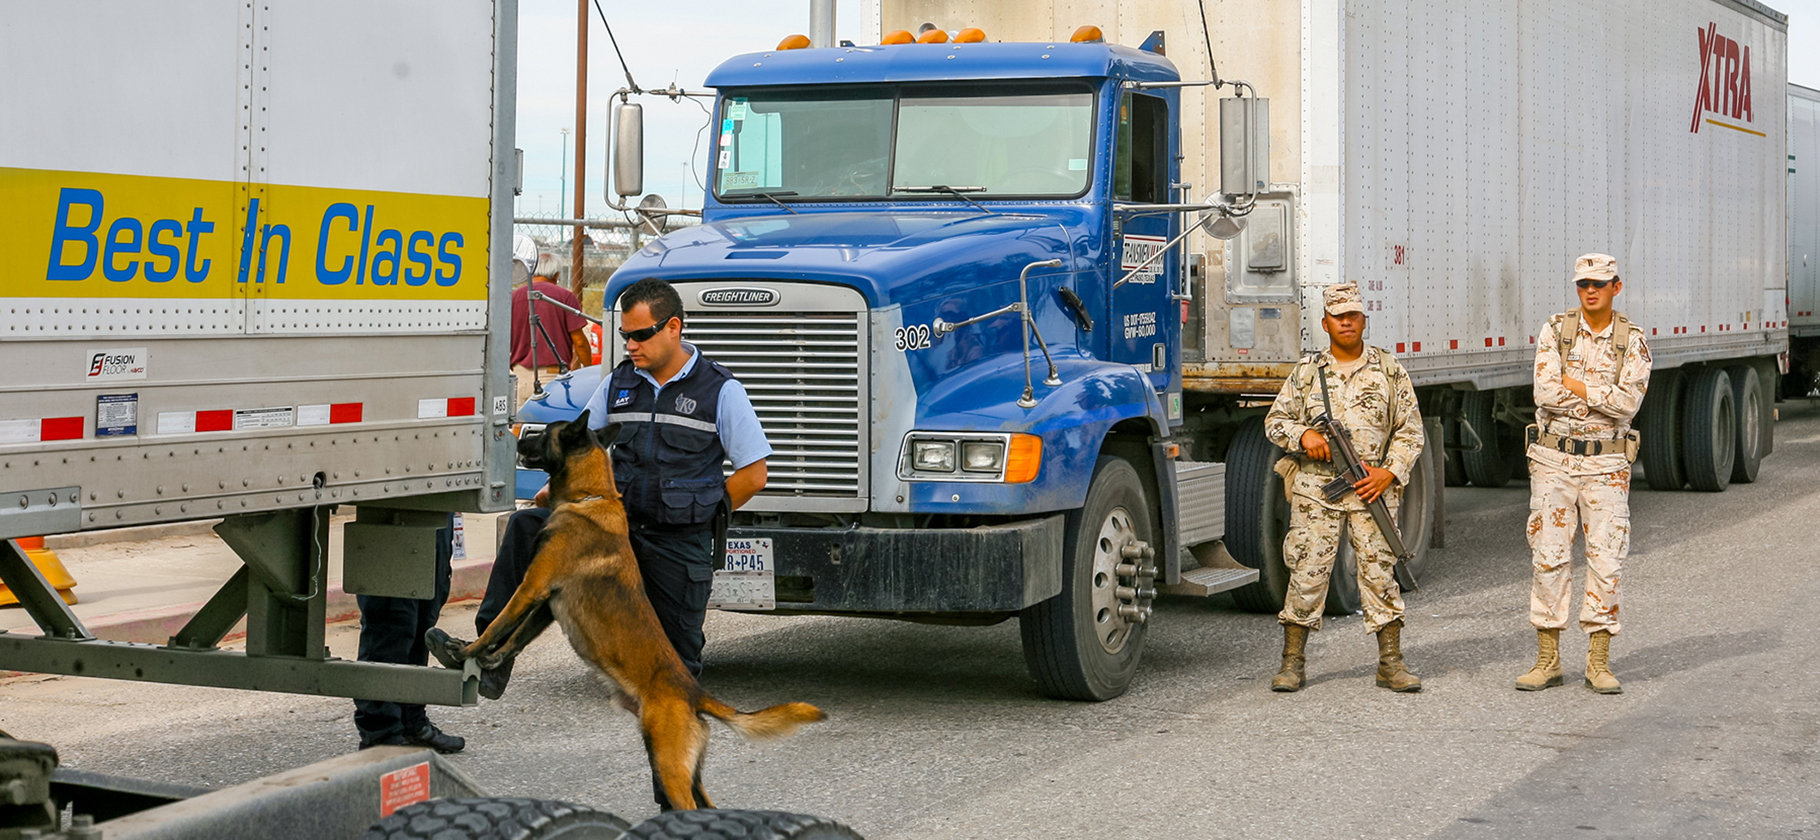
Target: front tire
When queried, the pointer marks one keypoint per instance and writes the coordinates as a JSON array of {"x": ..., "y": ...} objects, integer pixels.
[
  {"x": 713, "y": 824},
  {"x": 501, "y": 817},
  {"x": 1084, "y": 644}
]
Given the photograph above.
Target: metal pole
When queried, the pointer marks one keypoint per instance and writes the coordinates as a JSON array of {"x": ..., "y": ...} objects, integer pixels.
[
  {"x": 821, "y": 23},
  {"x": 581, "y": 144},
  {"x": 562, "y": 194}
]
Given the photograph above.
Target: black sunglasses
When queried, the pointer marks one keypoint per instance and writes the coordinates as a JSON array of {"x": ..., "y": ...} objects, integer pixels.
[
  {"x": 1584, "y": 284},
  {"x": 645, "y": 334}
]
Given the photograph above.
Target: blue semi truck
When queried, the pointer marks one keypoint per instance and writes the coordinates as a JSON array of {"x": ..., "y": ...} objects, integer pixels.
[{"x": 948, "y": 277}]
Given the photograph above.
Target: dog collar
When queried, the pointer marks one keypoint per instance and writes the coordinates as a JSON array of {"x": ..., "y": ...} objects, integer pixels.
[{"x": 586, "y": 499}]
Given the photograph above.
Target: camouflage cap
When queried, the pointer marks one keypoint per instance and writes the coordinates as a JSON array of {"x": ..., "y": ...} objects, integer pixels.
[
  {"x": 1342, "y": 299},
  {"x": 1595, "y": 267}
]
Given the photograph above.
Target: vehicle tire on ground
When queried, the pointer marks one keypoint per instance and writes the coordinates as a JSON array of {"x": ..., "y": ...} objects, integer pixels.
[
  {"x": 1489, "y": 465},
  {"x": 497, "y": 818},
  {"x": 1453, "y": 460},
  {"x": 1659, "y": 424},
  {"x": 1078, "y": 645},
  {"x": 1754, "y": 422},
  {"x": 1709, "y": 421},
  {"x": 1415, "y": 524},
  {"x": 713, "y": 824},
  {"x": 1257, "y": 516}
]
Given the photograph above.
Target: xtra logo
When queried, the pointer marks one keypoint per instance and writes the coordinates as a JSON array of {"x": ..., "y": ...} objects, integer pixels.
[{"x": 1724, "y": 80}]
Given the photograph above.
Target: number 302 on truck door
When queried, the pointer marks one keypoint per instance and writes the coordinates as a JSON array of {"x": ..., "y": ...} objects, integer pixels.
[{"x": 913, "y": 337}]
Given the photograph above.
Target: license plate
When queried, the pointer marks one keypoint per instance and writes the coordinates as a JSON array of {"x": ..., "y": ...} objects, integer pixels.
[{"x": 749, "y": 579}]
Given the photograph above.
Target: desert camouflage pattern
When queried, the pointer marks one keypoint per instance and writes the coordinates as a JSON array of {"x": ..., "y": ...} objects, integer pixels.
[
  {"x": 1378, "y": 405},
  {"x": 1598, "y": 506},
  {"x": 1612, "y": 396},
  {"x": 1309, "y": 551},
  {"x": 1589, "y": 494},
  {"x": 1367, "y": 401}
]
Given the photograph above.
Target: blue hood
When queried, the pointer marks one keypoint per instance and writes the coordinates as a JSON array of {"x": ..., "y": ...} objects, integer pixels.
[{"x": 890, "y": 256}]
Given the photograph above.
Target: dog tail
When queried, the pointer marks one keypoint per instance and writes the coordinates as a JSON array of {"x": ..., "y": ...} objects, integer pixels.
[{"x": 778, "y": 721}]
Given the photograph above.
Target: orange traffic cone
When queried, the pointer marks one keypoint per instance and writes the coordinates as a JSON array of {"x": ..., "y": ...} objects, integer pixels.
[{"x": 48, "y": 564}]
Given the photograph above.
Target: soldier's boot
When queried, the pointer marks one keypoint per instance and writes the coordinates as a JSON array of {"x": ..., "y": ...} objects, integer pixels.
[
  {"x": 1547, "y": 671},
  {"x": 1598, "y": 665},
  {"x": 1392, "y": 673},
  {"x": 1295, "y": 641}
]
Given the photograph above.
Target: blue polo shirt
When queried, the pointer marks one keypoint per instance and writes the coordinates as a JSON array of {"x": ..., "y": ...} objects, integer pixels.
[{"x": 736, "y": 422}]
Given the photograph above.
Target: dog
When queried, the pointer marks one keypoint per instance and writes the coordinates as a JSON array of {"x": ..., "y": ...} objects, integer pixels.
[{"x": 585, "y": 577}]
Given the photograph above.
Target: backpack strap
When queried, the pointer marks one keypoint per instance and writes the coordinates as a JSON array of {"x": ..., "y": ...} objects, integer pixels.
[
  {"x": 1566, "y": 332},
  {"x": 1569, "y": 330}
]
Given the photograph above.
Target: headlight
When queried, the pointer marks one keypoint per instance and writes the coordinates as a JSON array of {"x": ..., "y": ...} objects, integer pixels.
[
  {"x": 982, "y": 456},
  {"x": 932, "y": 455},
  {"x": 971, "y": 456}
]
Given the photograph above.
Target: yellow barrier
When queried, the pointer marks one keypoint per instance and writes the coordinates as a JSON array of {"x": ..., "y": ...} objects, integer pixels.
[{"x": 48, "y": 564}]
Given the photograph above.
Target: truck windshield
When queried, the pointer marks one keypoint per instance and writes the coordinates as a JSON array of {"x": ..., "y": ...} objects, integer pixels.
[{"x": 879, "y": 143}]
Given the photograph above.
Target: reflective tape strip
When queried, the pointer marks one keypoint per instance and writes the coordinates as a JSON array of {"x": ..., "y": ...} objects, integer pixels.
[
  {"x": 451, "y": 407},
  {"x": 326, "y": 414},
  {"x": 36, "y": 430},
  {"x": 672, "y": 419}
]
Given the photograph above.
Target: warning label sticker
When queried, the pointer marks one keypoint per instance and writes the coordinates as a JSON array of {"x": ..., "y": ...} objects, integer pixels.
[
  {"x": 264, "y": 418},
  {"x": 116, "y": 415},
  {"x": 401, "y": 788}
]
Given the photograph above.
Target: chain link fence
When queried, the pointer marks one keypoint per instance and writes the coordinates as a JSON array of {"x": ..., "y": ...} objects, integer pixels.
[{"x": 609, "y": 242}]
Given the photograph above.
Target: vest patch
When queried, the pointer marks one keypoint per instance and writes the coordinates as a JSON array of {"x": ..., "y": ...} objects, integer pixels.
[
  {"x": 623, "y": 398},
  {"x": 684, "y": 405}
]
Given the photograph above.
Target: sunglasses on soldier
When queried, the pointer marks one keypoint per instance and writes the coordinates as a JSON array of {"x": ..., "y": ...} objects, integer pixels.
[
  {"x": 645, "y": 334},
  {"x": 1592, "y": 284}
]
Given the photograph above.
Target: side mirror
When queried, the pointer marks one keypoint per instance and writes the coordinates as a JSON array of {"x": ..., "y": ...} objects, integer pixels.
[
  {"x": 629, "y": 150},
  {"x": 1244, "y": 145}
]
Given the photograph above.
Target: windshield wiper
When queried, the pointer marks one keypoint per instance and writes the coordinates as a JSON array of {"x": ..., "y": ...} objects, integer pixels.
[
  {"x": 771, "y": 196},
  {"x": 957, "y": 192}
]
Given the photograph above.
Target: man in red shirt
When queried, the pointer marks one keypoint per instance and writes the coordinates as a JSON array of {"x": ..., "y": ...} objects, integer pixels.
[{"x": 564, "y": 337}]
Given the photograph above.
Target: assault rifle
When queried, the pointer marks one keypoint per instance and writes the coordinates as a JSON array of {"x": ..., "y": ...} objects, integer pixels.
[{"x": 1346, "y": 457}]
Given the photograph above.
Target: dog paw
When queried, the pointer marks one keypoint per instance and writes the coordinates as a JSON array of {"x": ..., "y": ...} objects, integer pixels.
[{"x": 446, "y": 648}]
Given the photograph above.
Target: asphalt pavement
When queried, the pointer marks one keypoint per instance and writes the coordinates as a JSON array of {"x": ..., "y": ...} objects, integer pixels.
[{"x": 937, "y": 732}]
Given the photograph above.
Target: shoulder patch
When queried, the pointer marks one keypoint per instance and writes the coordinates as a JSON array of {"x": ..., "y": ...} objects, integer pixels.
[{"x": 623, "y": 398}]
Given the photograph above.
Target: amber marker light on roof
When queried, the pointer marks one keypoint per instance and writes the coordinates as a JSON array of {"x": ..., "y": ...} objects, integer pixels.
[
  {"x": 794, "y": 42},
  {"x": 898, "y": 36},
  {"x": 970, "y": 35},
  {"x": 1087, "y": 35},
  {"x": 1024, "y": 459},
  {"x": 933, "y": 36}
]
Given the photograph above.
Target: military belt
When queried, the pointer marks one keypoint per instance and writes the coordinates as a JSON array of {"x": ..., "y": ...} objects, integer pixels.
[{"x": 1585, "y": 446}]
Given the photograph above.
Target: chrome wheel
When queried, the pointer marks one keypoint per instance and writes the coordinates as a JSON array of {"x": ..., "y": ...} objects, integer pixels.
[{"x": 1123, "y": 580}]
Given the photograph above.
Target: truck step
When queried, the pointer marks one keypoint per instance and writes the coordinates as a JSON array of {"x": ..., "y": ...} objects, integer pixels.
[{"x": 1206, "y": 581}]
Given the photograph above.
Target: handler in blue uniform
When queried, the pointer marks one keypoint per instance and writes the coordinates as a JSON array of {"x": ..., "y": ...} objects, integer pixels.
[{"x": 680, "y": 417}]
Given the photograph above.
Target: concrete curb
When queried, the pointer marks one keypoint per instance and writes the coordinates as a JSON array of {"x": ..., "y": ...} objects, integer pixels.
[{"x": 156, "y": 626}]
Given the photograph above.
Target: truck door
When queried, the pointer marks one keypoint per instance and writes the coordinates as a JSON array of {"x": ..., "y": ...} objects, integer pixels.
[{"x": 1146, "y": 320}]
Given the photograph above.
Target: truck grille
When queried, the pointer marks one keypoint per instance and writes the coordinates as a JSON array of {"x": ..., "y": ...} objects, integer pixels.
[{"x": 803, "y": 371}]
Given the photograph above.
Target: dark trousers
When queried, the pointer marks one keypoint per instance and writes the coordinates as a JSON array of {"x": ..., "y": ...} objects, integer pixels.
[
  {"x": 676, "y": 563},
  {"x": 391, "y": 630}
]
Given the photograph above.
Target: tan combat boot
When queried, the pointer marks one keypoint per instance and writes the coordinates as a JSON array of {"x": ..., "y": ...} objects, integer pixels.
[
  {"x": 1295, "y": 638},
  {"x": 1598, "y": 665},
  {"x": 1547, "y": 672},
  {"x": 1392, "y": 674}
]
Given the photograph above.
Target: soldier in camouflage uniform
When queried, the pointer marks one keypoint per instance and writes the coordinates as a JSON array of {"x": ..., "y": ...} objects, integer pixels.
[
  {"x": 1579, "y": 470},
  {"x": 1373, "y": 397}
]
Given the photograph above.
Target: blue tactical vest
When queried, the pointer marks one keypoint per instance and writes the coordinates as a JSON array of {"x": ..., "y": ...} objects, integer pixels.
[{"x": 667, "y": 456}]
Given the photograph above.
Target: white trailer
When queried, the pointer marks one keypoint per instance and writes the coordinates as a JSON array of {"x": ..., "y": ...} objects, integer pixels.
[
  {"x": 1803, "y": 240},
  {"x": 1453, "y": 159},
  {"x": 254, "y": 265}
]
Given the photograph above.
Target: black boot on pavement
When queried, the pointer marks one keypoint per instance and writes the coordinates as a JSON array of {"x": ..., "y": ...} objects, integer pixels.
[{"x": 436, "y": 739}]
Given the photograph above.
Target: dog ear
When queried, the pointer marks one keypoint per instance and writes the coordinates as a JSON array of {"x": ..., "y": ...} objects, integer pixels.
[
  {"x": 574, "y": 435},
  {"x": 607, "y": 436},
  {"x": 582, "y": 418}
]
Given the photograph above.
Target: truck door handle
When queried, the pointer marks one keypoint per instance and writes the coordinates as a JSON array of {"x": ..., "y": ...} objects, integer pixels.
[{"x": 1076, "y": 307}]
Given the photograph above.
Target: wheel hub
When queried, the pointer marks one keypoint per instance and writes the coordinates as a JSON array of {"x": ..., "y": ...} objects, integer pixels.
[{"x": 1124, "y": 580}]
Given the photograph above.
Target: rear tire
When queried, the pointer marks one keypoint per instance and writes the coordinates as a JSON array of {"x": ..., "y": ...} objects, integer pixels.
[
  {"x": 502, "y": 818},
  {"x": 1753, "y": 415},
  {"x": 711, "y": 824},
  {"x": 1659, "y": 424},
  {"x": 1710, "y": 418},
  {"x": 1257, "y": 517},
  {"x": 1490, "y": 465},
  {"x": 1077, "y": 645}
]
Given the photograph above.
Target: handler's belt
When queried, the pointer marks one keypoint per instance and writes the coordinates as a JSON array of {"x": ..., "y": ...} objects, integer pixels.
[{"x": 1586, "y": 446}]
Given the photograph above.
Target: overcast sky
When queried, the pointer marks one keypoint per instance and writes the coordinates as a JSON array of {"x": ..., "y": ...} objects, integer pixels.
[{"x": 683, "y": 41}]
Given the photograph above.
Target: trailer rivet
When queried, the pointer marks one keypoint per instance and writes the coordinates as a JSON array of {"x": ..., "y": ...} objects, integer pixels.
[
  {"x": 160, "y": 489},
  {"x": 119, "y": 514},
  {"x": 24, "y": 502},
  {"x": 75, "y": 496},
  {"x": 954, "y": 498},
  {"x": 119, "y": 494}
]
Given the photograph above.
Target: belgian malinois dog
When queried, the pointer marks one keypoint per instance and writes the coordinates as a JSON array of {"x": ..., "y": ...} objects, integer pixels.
[{"x": 584, "y": 576}]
